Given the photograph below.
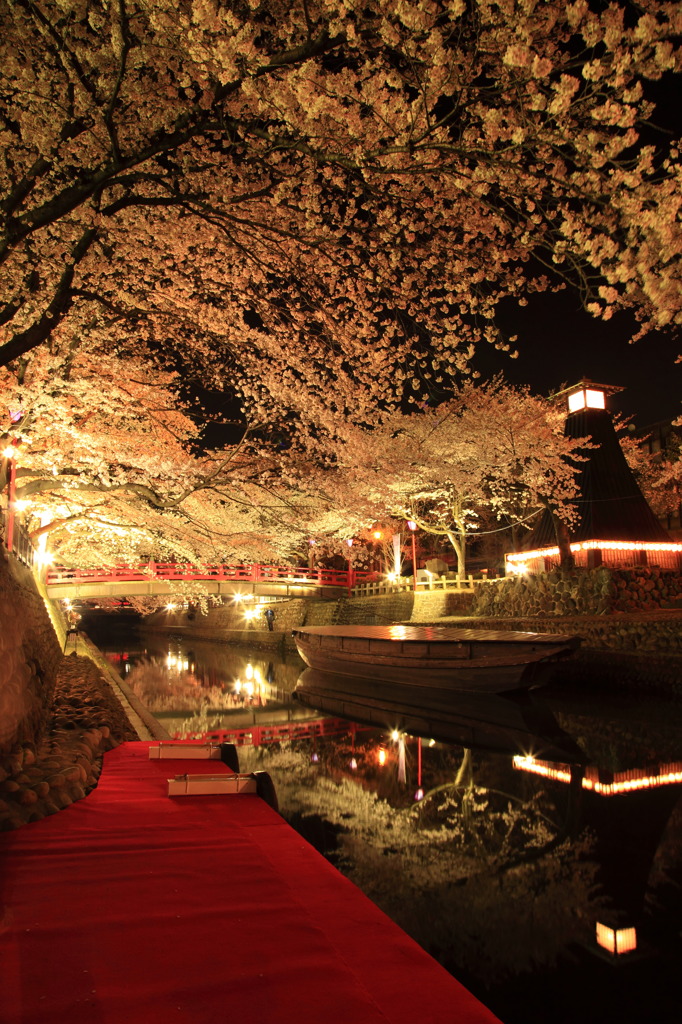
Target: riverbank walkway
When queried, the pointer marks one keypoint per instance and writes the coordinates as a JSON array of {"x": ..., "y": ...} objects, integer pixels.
[{"x": 133, "y": 906}]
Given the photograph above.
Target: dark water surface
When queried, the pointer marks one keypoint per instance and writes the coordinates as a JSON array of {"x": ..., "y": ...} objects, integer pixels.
[{"x": 542, "y": 816}]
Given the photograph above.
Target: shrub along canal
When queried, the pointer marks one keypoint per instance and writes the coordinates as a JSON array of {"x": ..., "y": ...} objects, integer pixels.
[{"x": 520, "y": 843}]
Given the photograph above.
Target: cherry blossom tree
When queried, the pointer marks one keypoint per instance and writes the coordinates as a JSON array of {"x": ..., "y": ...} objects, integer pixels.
[
  {"x": 658, "y": 473},
  {"x": 323, "y": 202},
  {"x": 105, "y": 466},
  {"x": 492, "y": 449}
]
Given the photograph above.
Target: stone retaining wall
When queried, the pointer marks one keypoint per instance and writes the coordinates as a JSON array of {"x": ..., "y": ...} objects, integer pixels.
[
  {"x": 582, "y": 592},
  {"x": 661, "y": 634},
  {"x": 228, "y": 624},
  {"x": 57, "y": 714},
  {"x": 30, "y": 657}
]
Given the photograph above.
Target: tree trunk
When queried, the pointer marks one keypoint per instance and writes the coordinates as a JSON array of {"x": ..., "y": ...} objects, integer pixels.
[
  {"x": 458, "y": 541},
  {"x": 566, "y": 559}
]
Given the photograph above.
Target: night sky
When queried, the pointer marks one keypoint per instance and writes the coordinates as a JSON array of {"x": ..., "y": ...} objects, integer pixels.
[{"x": 559, "y": 344}]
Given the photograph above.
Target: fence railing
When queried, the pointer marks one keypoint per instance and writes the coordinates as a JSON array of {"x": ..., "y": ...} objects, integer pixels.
[
  {"x": 453, "y": 581},
  {"x": 178, "y": 572},
  {"x": 258, "y": 735},
  {"x": 22, "y": 546}
]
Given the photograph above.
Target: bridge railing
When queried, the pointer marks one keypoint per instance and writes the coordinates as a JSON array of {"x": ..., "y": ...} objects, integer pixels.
[
  {"x": 259, "y": 735},
  {"x": 176, "y": 571}
]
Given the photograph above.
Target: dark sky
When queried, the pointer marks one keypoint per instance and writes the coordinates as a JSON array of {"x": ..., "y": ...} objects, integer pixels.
[{"x": 559, "y": 344}]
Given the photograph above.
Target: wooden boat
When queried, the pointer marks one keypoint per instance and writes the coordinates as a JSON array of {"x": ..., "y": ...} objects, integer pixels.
[{"x": 469, "y": 659}]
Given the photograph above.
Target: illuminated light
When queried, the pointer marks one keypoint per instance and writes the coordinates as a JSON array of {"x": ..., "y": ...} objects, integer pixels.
[
  {"x": 237, "y": 686},
  {"x": 397, "y": 632},
  {"x": 353, "y": 764},
  {"x": 432, "y": 743},
  {"x": 21, "y": 504},
  {"x": 616, "y": 940},
  {"x": 623, "y": 782},
  {"x": 315, "y": 758},
  {"x": 586, "y": 398},
  {"x": 381, "y": 757},
  {"x": 411, "y": 525},
  {"x": 377, "y": 535},
  {"x": 395, "y": 735},
  {"x": 237, "y": 598},
  {"x": 249, "y": 671},
  {"x": 350, "y": 542},
  {"x": 249, "y": 689},
  {"x": 594, "y": 399},
  {"x": 516, "y": 557},
  {"x": 391, "y": 577},
  {"x": 312, "y": 543},
  {"x": 576, "y": 401},
  {"x": 419, "y": 795},
  {"x": 170, "y": 607}
]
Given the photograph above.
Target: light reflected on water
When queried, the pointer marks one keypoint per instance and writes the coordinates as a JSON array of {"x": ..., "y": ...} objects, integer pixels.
[{"x": 501, "y": 865}]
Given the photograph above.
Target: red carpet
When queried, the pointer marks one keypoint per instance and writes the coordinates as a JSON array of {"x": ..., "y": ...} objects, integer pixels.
[{"x": 132, "y": 907}]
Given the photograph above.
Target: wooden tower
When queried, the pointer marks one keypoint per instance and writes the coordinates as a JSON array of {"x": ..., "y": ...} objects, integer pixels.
[{"x": 615, "y": 526}]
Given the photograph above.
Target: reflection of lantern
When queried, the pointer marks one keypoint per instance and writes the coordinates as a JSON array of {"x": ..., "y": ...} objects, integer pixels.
[
  {"x": 381, "y": 757},
  {"x": 419, "y": 795},
  {"x": 616, "y": 940}
]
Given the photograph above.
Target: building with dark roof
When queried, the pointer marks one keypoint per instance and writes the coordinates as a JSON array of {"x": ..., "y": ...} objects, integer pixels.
[{"x": 615, "y": 525}]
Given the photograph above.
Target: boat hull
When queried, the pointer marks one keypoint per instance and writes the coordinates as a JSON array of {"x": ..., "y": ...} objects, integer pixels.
[{"x": 480, "y": 660}]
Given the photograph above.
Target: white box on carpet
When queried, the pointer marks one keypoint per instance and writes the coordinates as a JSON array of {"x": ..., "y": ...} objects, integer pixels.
[
  {"x": 189, "y": 751},
  {"x": 201, "y": 785}
]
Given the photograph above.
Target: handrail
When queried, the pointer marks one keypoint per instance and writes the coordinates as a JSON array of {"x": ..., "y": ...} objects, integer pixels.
[
  {"x": 259, "y": 735},
  {"x": 216, "y": 573}
]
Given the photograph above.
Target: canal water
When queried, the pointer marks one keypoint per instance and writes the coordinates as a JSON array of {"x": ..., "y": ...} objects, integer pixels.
[{"x": 519, "y": 841}]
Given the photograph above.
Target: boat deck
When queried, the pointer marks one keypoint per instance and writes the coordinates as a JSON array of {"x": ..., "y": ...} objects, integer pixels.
[{"x": 434, "y": 634}]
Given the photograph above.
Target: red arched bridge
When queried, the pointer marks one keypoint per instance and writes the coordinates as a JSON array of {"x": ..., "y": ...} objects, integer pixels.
[{"x": 159, "y": 578}]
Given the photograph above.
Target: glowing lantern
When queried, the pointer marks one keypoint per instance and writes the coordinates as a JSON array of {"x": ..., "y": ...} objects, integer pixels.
[
  {"x": 586, "y": 398},
  {"x": 419, "y": 795},
  {"x": 381, "y": 757},
  {"x": 353, "y": 764},
  {"x": 616, "y": 940}
]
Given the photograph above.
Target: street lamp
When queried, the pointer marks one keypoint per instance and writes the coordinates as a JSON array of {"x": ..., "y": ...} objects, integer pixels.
[
  {"x": 377, "y": 549},
  {"x": 412, "y": 526},
  {"x": 10, "y": 453}
]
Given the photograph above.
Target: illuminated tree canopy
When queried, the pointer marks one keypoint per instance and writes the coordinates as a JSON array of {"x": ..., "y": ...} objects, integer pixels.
[
  {"x": 320, "y": 204},
  {"x": 491, "y": 454},
  {"x": 105, "y": 466}
]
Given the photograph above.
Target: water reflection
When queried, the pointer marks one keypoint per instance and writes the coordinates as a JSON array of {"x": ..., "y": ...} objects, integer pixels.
[
  {"x": 540, "y": 818},
  {"x": 197, "y": 686}
]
